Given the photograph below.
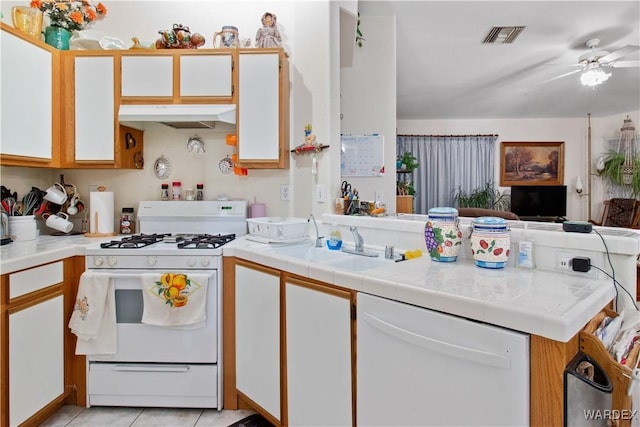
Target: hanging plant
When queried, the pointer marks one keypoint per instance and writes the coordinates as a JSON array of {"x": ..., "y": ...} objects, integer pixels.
[
  {"x": 613, "y": 172},
  {"x": 359, "y": 38}
]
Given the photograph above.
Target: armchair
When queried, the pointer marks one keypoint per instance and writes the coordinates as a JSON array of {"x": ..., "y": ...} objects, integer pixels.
[{"x": 620, "y": 213}]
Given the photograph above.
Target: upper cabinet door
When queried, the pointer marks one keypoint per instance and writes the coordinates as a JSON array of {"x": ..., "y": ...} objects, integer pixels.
[
  {"x": 206, "y": 75},
  {"x": 94, "y": 109},
  {"x": 27, "y": 100},
  {"x": 147, "y": 76},
  {"x": 263, "y": 86}
]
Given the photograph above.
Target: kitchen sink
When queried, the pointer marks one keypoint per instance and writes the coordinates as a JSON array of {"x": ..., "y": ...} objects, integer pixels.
[{"x": 337, "y": 259}]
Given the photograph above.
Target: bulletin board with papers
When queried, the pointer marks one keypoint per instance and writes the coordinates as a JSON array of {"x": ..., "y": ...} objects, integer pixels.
[{"x": 362, "y": 155}]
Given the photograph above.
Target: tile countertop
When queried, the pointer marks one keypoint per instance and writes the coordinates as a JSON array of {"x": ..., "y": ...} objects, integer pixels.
[
  {"x": 549, "y": 304},
  {"x": 20, "y": 255}
]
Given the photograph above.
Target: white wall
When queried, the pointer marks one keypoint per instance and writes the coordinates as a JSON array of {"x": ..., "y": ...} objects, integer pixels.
[
  {"x": 368, "y": 101},
  {"x": 572, "y": 131}
]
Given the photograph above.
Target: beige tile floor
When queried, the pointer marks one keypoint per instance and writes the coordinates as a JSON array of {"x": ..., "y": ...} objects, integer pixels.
[{"x": 108, "y": 416}]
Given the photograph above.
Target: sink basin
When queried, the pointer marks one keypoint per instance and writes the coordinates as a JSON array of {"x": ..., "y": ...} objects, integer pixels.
[
  {"x": 357, "y": 262},
  {"x": 337, "y": 259}
]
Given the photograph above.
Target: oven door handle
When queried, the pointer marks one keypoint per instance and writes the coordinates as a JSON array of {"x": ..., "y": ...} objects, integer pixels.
[{"x": 154, "y": 368}]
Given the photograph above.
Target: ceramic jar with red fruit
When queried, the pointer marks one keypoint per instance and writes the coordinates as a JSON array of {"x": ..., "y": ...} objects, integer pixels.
[
  {"x": 490, "y": 242},
  {"x": 442, "y": 234}
]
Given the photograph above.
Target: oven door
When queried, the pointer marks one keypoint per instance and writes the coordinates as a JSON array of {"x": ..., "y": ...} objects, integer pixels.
[{"x": 139, "y": 342}]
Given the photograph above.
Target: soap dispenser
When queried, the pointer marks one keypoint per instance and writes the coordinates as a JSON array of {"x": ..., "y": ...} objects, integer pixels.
[{"x": 334, "y": 242}]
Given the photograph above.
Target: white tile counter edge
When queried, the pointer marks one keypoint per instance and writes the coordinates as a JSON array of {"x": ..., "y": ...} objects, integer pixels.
[
  {"x": 544, "y": 303},
  {"x": 17, "y": 256}
]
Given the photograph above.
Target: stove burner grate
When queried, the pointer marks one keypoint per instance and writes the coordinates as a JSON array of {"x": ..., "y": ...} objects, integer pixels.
[
  {"x": 206, "y": 241},
  {"x": 135, "y": 241}
]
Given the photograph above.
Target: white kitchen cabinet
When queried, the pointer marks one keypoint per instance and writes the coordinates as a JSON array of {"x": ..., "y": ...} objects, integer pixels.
[
  {"x": 147, "y": 76},
  {"x": 94, "y": 108},
  {"x": 198, "y": 76},
  {"x": 318, "y": 336},
  {"x": 29, "y": 119},
  {"x": 35, "y": 317},
  {"x": 206, "y": 75},
  {"x": 257, "y": 336},
  {"x": 263, "y": 109}
]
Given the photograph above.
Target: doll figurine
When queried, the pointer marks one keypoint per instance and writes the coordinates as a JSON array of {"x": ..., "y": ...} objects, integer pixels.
[{"x": 268, "y": 35}]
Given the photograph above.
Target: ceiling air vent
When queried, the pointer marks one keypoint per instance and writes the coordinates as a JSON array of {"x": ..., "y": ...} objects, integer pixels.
[{"x": 499, "y": 35}]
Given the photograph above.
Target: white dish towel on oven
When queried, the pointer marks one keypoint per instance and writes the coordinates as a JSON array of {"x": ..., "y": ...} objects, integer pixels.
[
  {"x": 174, "y": 299},
  {"x": 94, "y": 315}
]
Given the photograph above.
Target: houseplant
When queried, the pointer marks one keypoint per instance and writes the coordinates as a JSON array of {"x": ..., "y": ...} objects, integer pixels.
[
  {"x": 405, "y": 191},
  {"x": 66, "y": 16},
  {"x": 487, "y": 197},
  {"x": 612, "y": 172}
]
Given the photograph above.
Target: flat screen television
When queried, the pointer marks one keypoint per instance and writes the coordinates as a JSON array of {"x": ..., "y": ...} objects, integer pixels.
[{"x": 539, "y": 200}]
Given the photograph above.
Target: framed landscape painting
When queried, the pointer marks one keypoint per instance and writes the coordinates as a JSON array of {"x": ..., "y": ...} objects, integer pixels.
[{"x": 531, "y": 163}]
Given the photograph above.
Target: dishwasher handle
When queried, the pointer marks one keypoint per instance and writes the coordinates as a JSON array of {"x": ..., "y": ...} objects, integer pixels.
[
  {"x": 453, "y": 350},
  {"x": 151, "y": 368}
]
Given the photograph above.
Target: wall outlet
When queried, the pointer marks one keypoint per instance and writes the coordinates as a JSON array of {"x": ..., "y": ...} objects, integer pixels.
[
  {"x": 563, "y": 263},
  {"x": 321, "y": 194},
  {"x": 378, "y": 196},
  {"x": 284, "y": 192}
]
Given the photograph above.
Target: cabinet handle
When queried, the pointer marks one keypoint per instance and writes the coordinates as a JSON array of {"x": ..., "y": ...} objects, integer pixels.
[
  {"x": 453, "y": 350},
  {"x": 147, "y": 368}
]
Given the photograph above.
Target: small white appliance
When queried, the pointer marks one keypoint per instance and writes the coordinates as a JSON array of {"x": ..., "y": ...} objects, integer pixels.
[{"x": 158, "y": 365}]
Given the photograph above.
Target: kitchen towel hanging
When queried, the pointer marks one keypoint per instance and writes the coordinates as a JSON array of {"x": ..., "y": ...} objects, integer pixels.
[
  {"x": 174, "y": 299},
  {"x": 101, "y": 213},
  {"x": 94, "y": 315}
]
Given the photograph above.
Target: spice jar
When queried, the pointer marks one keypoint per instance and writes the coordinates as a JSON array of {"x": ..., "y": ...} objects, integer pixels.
[
  {"x": 127, "y": 221},
  {"x": 176, "y": 188},
  {"x": 199, "y": 191},
  {"x": 164, "y": 193},
  {"x": 442, "y": 234}
]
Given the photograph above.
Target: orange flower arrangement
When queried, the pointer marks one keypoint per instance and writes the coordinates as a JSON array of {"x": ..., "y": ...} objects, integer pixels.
[{"x": 72, "y": 15}]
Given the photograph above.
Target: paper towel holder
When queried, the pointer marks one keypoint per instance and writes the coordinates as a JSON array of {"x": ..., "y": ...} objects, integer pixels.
[{"x": 96, "y": 218}]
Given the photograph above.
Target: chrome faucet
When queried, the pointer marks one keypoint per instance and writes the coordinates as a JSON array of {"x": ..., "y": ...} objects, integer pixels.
[
  {"x": 357, "y": 239},
  {"x": 318, "y": 236}
]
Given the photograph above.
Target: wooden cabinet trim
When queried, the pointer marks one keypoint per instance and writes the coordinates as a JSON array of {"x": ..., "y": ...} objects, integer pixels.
[
  {"x": 24, "y": 302},
  {"x": 317, "y": 285}
]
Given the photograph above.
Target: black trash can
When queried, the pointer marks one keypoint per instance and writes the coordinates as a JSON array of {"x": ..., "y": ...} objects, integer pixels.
[{"x": 587, "y": 393}]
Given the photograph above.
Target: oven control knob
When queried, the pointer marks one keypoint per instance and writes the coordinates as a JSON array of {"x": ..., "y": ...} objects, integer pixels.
[
  {"x": 98, "y": 261},
  {"x": 112, "y": 261},
  {"x": 151, "y": 260},
  {"x": 191, "y": 262},
  {"x": 205, "y": 262}
]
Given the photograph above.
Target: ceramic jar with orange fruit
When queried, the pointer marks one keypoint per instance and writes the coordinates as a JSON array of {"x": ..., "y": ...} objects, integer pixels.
[
  {"x": 490, "y": 242},
  {"x": 442, "y": 234}
]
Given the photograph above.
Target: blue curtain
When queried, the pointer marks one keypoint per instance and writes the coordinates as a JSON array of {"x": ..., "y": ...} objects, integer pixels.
[{"x": 447, "y": 163}]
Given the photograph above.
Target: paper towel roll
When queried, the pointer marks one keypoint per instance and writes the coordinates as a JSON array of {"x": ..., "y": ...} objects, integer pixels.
[{"x": 101, "y": 212}]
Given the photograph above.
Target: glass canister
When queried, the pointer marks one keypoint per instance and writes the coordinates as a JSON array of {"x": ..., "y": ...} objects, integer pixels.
[
  {"x": 490, "y": 242},
  {"x": 442, "y": 234}
]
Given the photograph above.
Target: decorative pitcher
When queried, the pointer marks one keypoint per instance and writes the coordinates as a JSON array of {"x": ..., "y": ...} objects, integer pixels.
[{"x": 226, "y": 38}]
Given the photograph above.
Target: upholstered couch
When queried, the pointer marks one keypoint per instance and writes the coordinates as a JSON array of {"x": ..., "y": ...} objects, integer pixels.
[{"x": 476, "y": 212}]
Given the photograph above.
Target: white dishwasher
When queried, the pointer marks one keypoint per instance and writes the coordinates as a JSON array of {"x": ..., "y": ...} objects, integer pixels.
[{"x": 417, "y": 367}]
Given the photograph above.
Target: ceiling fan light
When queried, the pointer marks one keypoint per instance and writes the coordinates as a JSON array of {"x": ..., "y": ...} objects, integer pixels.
[{"x": 594, "y": 77}]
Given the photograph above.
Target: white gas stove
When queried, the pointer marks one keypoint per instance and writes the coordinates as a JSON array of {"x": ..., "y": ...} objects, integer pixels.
[{"x": 158, "y": 365}]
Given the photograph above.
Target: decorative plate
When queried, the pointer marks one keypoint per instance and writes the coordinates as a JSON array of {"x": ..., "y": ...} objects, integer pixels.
[
  {"x": 226, "y": 165},
  {"x": 162, "y": 167}
]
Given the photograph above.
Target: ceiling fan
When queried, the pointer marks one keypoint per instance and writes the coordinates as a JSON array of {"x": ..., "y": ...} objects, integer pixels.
[{"x": 594, "y": 63}]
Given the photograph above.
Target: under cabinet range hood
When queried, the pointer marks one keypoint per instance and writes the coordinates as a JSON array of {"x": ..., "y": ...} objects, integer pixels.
[{"x": 179, "y": 116}]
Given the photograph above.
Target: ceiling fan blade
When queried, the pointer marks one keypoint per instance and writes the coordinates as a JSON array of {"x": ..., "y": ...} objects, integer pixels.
[
  {"x": 625, "y": 64},
  {"x": 560, "y": 76},
  {"x": 619, "y": 53}
]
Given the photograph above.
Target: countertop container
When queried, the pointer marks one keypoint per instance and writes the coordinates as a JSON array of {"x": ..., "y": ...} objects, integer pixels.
[{"x": 490, "y": 242}]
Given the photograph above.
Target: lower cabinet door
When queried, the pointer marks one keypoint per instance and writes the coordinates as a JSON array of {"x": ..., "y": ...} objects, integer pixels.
[
  {"x": 36, "y": 358},
  {"x": 318, "y": 333},
  {"x": 258, "y": 337}
]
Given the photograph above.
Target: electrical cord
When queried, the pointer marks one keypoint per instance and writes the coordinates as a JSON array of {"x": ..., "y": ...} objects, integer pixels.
[
  {"x": 613, "y": 272},
  {"x": 616, "y": 284}
]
